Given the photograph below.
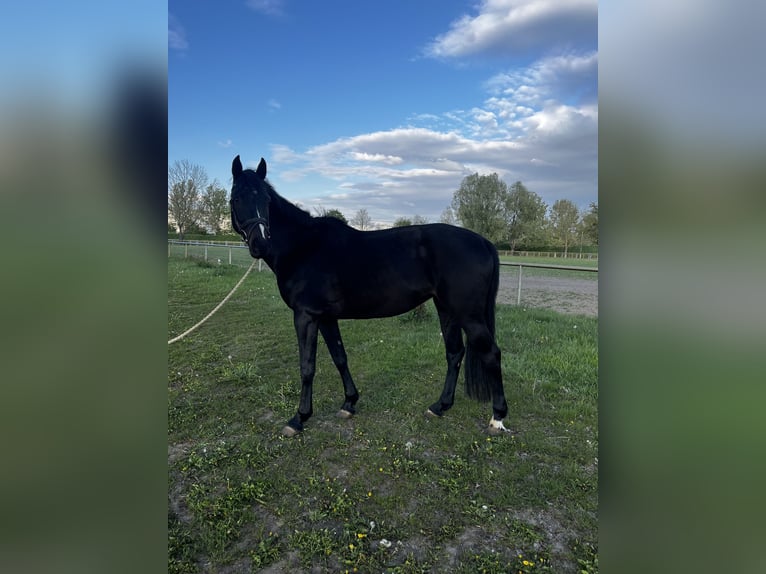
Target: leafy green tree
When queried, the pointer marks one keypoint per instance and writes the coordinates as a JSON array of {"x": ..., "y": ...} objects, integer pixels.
[
  {"x": 590, "y": 224},
  {"x": 479, "y": 205},
  {"x": 214, "y": 207},
  {"x": 404, "y": 221},
  {"x": 196, "y": 229},
  {"x": 336, "y": 213},
  {"x": 525, "y": 215},
  {"x": 564, "y": 219}
]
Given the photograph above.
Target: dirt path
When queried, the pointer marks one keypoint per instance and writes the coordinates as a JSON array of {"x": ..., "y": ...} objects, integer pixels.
[{"x": 562, "y": 294}]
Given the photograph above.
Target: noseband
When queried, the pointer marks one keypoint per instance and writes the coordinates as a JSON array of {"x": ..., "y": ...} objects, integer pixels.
[{"x": 247, "y": 225}]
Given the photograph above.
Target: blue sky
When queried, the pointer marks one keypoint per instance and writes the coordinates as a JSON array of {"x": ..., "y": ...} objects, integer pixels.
[{"x": 387, "y": 106}]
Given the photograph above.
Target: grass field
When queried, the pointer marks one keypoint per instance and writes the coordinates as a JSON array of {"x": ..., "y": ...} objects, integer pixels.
[{"x": 388, "y": 490}]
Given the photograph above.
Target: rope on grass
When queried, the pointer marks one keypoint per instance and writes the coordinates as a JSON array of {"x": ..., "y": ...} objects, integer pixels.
[{"x": 182, "y": 335}]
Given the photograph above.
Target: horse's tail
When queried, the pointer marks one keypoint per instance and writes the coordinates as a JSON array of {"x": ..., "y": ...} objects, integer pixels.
[{"x": 478, "y": 378}]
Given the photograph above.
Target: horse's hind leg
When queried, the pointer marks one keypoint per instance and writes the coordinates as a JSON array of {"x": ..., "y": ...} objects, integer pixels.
[
  {"x": 484, "y": 374},
  {"x": 453, "y": 344},
  {"x": 331, "y": 334}
]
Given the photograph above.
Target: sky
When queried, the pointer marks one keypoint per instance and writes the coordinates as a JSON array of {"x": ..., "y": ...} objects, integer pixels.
[{"x": 387, "y": 106}]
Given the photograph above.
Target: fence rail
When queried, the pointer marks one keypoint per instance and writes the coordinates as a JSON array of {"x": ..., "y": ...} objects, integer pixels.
[
  {"x": 237, "y": 254},
  {"x": 574, "y": 254}
]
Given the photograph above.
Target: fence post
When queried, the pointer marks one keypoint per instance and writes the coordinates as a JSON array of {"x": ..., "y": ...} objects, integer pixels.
[
  {"x": 518, "y": 294},
  {"x": 260, "y": 264},
  {"x": 229, "y": 255},
  {"x": 186, "y": 250}
]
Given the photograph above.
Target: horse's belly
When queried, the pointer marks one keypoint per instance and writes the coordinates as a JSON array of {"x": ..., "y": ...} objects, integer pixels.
[{"x": 380, "y": 305}]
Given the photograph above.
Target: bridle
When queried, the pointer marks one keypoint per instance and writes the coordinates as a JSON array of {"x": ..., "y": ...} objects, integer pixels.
[{"x": 248, "y": 225}]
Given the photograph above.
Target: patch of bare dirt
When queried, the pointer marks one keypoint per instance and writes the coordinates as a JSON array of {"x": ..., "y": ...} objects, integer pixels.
[{"x": 561, "y": 294}]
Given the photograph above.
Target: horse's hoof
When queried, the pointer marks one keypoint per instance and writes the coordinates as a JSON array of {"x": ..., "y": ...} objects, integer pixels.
[
  {"x": 496, "y": 427},
  {"x": 431, "y": 414},
  {"x": 289, "y": 431},
  {"x": 344, "y": 414}
]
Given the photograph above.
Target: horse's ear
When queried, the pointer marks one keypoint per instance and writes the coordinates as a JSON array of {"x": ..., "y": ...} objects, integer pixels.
[
  {"x": 261, "y": 171},
  {"x": 236, "y": 167}
]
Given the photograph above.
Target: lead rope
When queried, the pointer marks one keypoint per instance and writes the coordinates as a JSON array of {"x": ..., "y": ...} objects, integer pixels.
[{"x": 182, "y": 335}]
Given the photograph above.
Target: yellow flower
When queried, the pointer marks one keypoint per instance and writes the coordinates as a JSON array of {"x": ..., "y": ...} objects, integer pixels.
[
  {"x": 361, "y": 535},
  {"x": 350, "y": 546}
]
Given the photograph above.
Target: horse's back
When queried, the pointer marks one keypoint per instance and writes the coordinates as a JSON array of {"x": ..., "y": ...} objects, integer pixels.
[{"x": 466, "y": 270}]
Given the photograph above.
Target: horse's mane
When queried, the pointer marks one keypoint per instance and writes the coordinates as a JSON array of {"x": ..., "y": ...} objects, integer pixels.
[{"x": 297, "y": 214}]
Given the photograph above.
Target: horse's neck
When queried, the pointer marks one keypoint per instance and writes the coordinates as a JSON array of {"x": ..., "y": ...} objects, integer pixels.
[{"x": 291, "y": 233}]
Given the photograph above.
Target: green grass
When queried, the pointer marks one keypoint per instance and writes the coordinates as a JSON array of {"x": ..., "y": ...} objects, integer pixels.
[{"x": 388, "y": 490}]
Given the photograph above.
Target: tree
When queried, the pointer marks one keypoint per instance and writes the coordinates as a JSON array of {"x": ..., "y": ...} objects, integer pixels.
[
  {"x": 362, "y": 220},
  {"x": 336, "y": 213},
  {"x": 447, "y": 216},
  {"x": 589, "y": 225},
  {"x": 185, "y": 183},
  {"x": 402, "y": 222},
  {"x": 564, "y": 218},
  {"x": 479, "y": 205},
  {"x": 525, "y": 216},
  {"x": 419, "y": 220},
  {"x": 214, "y": 207},
  {"x": 182, "y": 205}
]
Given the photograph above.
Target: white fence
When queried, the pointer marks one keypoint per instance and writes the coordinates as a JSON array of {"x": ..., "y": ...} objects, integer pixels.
[
  {"x": 232, "y": 253},
  {"x": 227, "y": 252},
  {"x": 573, "y": 254}
]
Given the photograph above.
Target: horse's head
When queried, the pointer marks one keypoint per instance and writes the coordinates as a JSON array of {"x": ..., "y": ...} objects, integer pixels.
[{"x": 249, "y": 204}]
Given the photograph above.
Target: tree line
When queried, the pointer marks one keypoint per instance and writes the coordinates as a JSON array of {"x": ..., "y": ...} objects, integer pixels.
[
  {"x": 519, "y": 218},
  {"x": 195, "y": 205},
  {"x": 512, "y": 217}
]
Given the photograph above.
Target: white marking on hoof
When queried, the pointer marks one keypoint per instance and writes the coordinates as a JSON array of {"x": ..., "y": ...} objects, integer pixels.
[
  {"x": 431, "y": 414},
  {"x": 496, "y": 427},
  {"x": 344, "y": 414},
  {"x": 289, "y": 431}
]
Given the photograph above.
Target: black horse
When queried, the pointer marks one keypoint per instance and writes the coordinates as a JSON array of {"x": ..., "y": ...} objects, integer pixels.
[{"x": 327, "y": 271}]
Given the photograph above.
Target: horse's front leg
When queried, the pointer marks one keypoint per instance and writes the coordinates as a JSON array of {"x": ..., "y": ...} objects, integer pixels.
[{"x": 306, "y": 329}]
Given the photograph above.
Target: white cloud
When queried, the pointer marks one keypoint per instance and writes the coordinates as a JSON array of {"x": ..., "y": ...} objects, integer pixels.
[
  {"x": 176, "y": 35},
  {"x": 267, "y": 7},
  {"x": 567, "y": 76},
  {"x": 274, "y": 105},
  {"x": 537, "y": 124},
  {"x": 283, "y": 153},
  {"x": 431, "y": 164},
  {"x": 507, "y": 27},
  {"x": 376, "y": 157},
  {"x": 562, "y": 121},
  {"x": 226, "y": 144}
]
